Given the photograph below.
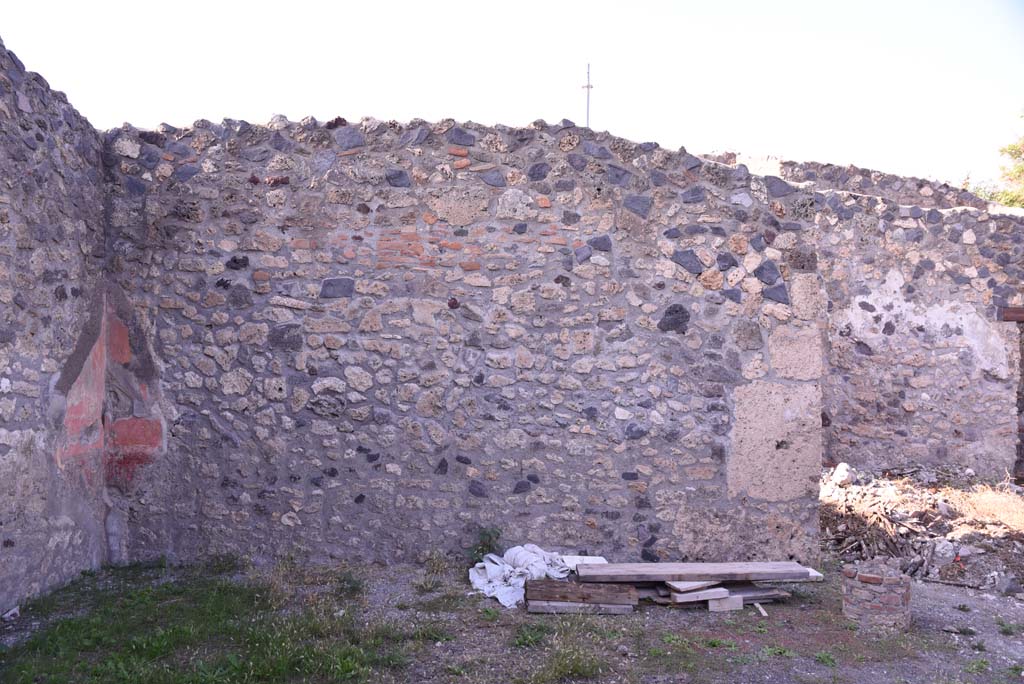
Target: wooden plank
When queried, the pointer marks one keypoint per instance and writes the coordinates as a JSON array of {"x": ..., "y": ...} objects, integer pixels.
[
  {"x": 751, "y": 593},
  {"x": 573, "y": 561},
  {"x": 554, "y": 590},
  {"x": 725, "y": 604},
  {"x": 690, "y": 572},
  {"x": 573, "y": 607},
  {"x": 703, "y": 595},
  {"x": 680, "y": 587},
  {"x": 1012, "y": 313}
]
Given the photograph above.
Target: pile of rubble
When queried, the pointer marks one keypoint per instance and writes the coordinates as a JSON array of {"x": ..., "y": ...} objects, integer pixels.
[{"x": 911, "y": 514}]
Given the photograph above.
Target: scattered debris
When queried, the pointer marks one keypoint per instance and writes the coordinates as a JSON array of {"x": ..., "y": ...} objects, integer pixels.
[{"x": 942, "y": 524}]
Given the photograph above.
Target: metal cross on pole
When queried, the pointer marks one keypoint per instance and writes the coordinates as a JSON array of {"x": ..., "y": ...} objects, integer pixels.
[{"x": 588, "y": 88}]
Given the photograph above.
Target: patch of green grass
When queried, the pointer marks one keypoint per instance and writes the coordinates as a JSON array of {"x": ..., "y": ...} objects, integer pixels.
[
  {"x": 964, "y": 630},
  {"x": 444, "y": 603},
  {"x": 673, "y": 654},
  {"x": 222, "y": 564},
  {"x": 348, "y": 585},
  {"x": 979, "y": 646},
  {"x": 825, "y": 658},
  {"x": 530, "y": 634},
  {"x": 1009, "y": 629},
  {"x": 197, "y": 629},
  {"x": 455, "y": 670},
  {"x": 1016, "y": 670},
  {"x": 977, "y": 666},
  {"x": 490, "y": 614},
  {"x": 568, "y": 663},
  {"x": 432, "y": 632},
  {"x": 761, "y": 627},
  {"x": 720, "y": 643},
  {"x": 428, "y": 584},
  {"x": 777, "y": 652}
]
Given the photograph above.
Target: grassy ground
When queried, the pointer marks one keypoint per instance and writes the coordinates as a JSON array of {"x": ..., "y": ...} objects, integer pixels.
[{"x": 220, "y": 623}]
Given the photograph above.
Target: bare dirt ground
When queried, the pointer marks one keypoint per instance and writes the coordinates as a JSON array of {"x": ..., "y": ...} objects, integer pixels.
[{"x": 447, "y": 634}]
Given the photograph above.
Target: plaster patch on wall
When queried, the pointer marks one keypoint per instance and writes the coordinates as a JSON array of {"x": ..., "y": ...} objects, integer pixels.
[
  {"x": 958, "y": 322},
  {"x": 776, "y": 441},
  {"x": 797, "y": 353}
]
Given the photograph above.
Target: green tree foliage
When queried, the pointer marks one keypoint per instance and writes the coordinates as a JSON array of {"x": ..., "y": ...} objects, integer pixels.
[{"x": 1012, "y": 194}]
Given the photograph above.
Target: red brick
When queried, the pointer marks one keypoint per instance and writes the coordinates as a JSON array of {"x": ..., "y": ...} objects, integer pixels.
[{"x": 456, "y": 151}]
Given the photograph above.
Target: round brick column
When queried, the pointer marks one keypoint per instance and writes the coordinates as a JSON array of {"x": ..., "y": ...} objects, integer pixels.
[{"x": 876, "y": 595}]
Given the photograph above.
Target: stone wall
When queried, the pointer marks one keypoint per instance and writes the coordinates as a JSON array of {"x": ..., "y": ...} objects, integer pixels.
[
  {"x": 919, "y": 192},
  {"x": 376, "y": 339},
  {"x": 372, "y": 340},
  {"x": 921, "y": 371},
  {"x": 51, "y": 244}
]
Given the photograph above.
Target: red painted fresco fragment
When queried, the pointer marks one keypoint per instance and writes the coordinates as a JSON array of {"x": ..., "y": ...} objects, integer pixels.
[
  {"x": 85, "y": 410},
  {"x": 137, "y": 433},
  {"x": 120, "y": 466},
  {"x": 119, "y": 347}
]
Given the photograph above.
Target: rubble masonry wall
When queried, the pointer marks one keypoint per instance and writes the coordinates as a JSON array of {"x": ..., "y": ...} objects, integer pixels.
[{"x": 371, "y": 340}]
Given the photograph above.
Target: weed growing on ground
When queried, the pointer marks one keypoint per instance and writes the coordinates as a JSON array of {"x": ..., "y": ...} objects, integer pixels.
[
  {"x": 432, "y": 632},
  {"x": 443, "y": 603},
  {"x": 1009, "y": 629},
  {"x": 720, "y": 643},
  {"x": 347, "y": 585},
  {"x": 977, "y": 666},
  {"x": 530, "y": 634},
  {"x": 777, "y": 652},
  {"x": 486, "y": 542},
  {"x": 567, "y": 663},
  {"x": 825, "y": 658}
]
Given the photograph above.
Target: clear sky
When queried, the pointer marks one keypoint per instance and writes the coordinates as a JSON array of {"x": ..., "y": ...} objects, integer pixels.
[{"x": 919, "y": 87}]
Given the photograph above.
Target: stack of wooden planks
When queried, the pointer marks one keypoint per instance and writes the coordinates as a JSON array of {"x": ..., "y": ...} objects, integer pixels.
[{"x": 617, "y": 587}]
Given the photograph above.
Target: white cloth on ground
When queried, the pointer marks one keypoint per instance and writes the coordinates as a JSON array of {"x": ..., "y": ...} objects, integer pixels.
[{"x": 504, "y": 577}]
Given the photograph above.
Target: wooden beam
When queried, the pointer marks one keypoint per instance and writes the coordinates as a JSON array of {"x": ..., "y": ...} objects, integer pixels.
[
  {"x": 723, "y": 605},
  {"x": 575, "y": 592},
  {"x": 577, "y": 608},
  {"x": 691, "y": 572},
  {"x": 682, "y": 587},
  {"x": 1012, "y": 313},
  {"x": 702, "y": 595}
]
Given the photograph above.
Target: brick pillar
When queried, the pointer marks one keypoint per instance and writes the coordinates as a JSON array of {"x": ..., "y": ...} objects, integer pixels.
[{"x": 876, "y": 595}]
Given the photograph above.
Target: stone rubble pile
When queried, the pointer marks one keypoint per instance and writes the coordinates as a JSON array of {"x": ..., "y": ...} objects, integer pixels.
[{"x": 904, "y": 515}]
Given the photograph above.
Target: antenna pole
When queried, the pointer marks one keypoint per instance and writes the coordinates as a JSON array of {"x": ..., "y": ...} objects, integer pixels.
[{"x": 588, "y": 88}]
